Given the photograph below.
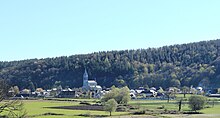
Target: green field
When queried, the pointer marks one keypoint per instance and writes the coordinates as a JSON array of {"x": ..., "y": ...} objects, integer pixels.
[{"x": 40, "y": 108}]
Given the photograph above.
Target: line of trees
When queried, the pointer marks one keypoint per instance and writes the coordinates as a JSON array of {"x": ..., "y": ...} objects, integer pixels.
[{"x": 176, "y": 65}]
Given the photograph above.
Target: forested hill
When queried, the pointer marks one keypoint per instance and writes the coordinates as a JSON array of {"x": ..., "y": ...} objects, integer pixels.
[{"x": 176, "y": 65}]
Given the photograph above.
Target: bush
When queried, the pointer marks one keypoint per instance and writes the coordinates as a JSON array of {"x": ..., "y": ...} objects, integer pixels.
[
  {"x": 85, "y": 103},
  {"x": 139, "y": 112},
  {"x": 122, "y": 108},
  {"x": 197, "y": 102}
]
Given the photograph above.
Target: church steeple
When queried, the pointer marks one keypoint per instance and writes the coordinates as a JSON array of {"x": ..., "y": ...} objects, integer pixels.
[
  {"x": 90, "y": 84},
  {"x": 85, "y": 75},
  {"x": 85, "y": 79}
]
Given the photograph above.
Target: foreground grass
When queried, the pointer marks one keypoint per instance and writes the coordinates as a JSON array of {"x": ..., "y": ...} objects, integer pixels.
[{"x": 38, "y": 107}]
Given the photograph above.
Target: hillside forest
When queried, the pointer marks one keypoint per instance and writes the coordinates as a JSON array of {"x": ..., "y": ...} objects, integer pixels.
[{"x": 190, "y": 64}]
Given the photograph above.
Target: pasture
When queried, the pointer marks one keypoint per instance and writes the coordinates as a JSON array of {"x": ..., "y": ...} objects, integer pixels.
[
  {"x": 42, "y": 109},
  {"x": 155, "y": 108}
]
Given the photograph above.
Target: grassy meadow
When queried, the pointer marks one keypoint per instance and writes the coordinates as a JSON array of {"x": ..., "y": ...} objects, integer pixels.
[
  {"x": 37, "y": 109},
  {"x": 42, "y": 108}
]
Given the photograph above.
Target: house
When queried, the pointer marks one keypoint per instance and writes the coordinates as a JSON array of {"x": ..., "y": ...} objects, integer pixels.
[
  {"x": 133, "y": 96},
  {"x": 25, "y": 91},
  {"x": 139, "y": 90},
  {"x": 149, "y": 93},
  {"x": 24, "y": 94},
  {"x": 199, "y": 90},
  {"x": 67, "y": 93}
]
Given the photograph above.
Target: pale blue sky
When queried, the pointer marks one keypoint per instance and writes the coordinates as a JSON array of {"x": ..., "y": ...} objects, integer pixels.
[{"x": 51, "y": 28}]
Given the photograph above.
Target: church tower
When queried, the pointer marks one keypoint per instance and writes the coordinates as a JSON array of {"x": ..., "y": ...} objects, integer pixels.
[{"x": 85, "y": 80}]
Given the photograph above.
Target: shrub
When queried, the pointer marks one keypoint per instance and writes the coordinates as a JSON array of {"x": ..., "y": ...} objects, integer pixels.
[
  {"x": 197, "y": 102},
  {"x": 122, "y": 108},
  {"x": 139, "y": 112}
]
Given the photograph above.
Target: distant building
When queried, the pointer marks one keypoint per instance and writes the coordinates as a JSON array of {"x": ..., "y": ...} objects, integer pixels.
[
  {"x": 90, "y": 84},
  {"x": 67, "y": 93}
]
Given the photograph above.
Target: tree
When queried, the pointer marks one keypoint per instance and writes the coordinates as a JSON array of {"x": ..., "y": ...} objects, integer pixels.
[
  {"x": 175, "y": 83},
  {"x": 14, "y": 108},
  {"x": 197, "y": 102},
  {"x": 16, "y": 90},
  {"x": 171, "y": 93},
  {"x": 31, "y": 86},
  {"x": 193, "y": 90},
  {"x": 124, "y": 95},
  {"x": 180, "y": 104},
  {"x": 185, "y": 90},
  {"x": 13, "y": 91},
  {"x": 110, "y": 106},
  {"x": 160, "y": 90},
  {"x": 3, "y": 89},
  {"x": 168, "y": 94},
  {"x": 121, "y": 95},
  {"x": 120, "y": 82},
  {"x": 111, "y": 94},
  {"x": 177, "y": 65}
]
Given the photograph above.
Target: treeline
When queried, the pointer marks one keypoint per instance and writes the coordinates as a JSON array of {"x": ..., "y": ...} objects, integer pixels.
[{"x": 176, "y": 65}]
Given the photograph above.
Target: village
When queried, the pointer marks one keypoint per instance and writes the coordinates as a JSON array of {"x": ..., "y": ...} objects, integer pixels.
[
  {"x": 110, "y": 58},
  {"x": 91, "y": 89}
]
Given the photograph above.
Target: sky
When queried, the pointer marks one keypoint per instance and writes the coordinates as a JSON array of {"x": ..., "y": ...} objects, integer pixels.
[{"x": 51, "y": 28}]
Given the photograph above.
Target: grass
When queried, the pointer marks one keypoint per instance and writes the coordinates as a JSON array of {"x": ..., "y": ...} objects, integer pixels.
[
  {"x": 158, "y": 104},
  {"x": 36, "y": 108},
  {"x": 212, "y": 109},
  {"x": 173, "y": 105}
]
